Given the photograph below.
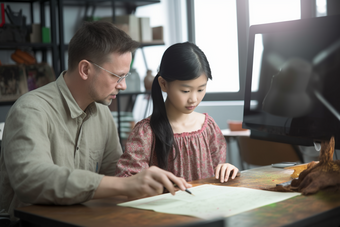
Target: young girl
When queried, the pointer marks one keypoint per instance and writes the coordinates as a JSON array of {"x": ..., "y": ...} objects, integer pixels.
[{"x": 174, "y": 137}]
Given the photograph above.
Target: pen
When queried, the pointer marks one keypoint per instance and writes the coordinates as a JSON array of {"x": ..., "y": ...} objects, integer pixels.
[
  {"x": 186, "y": 190},
  {"x": 189, "y": 192}
]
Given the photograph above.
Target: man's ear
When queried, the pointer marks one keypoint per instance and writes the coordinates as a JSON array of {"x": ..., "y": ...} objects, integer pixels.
[
  {"x": 163, "y": 84},
  {"x": 84, "y": 69}
]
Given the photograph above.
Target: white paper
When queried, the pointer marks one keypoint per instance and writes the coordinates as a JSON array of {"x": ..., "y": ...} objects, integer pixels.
[{"x": 210, "y": 201}]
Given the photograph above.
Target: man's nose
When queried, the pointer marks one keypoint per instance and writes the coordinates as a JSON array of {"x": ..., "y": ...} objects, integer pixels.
[{"x": 121, "y": 85}]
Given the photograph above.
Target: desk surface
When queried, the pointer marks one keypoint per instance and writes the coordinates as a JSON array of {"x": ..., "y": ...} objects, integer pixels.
[
  {"x": 297, "y": 211},
  {"x": 228, "y": 132}
]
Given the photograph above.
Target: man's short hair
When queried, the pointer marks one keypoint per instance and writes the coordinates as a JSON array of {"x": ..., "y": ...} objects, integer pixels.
[{"x": 95, "y": 41}]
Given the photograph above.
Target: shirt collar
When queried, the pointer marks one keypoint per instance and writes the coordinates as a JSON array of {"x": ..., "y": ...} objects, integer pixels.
[{"x": 71, "y": 103}]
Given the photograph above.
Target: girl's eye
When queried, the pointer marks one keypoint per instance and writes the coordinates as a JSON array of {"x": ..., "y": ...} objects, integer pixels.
[{"x": 185, "y": 91}]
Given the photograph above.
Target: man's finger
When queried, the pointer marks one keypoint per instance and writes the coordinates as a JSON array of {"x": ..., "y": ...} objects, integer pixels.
[
  {"x": 155, "y": 186},
  {"x": 168, "y": 180}
]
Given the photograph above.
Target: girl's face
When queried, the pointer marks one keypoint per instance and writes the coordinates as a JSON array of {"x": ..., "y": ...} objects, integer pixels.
[{"x": 184, "y": 95}]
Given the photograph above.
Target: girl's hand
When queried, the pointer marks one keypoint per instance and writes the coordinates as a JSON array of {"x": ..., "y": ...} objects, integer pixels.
[{"x": 223, "y": 170}]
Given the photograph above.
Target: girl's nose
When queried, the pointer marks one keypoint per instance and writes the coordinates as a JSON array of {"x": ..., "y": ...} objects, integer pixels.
[{"x": 193, "y": 98}]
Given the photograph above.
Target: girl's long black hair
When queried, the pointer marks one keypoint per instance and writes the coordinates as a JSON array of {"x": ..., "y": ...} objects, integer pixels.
[{"x": 181, "y": 61}]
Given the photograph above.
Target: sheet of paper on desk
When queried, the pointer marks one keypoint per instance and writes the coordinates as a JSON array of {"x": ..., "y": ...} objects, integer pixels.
[{"x": 210, "y": 201}]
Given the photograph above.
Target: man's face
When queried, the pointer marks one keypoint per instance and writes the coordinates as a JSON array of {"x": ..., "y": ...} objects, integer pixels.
[{"x": 104, "y": 86}]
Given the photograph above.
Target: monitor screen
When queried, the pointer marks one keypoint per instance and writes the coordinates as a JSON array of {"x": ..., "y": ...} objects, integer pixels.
[{"x": 292, "y": 90}]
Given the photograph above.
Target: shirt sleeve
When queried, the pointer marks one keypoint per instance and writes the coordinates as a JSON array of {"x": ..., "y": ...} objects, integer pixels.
[
  {"x": 218, "y": 144},
  {"x": 136, "y": 156},
  {"x": 32, "y": 173}
]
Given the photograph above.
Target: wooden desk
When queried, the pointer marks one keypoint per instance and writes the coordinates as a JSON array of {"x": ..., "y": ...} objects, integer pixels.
[{"x": 298, "y": 211}]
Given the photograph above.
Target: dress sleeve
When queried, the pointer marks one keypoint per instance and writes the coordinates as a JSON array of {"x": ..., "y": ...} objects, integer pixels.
[
  {"x": 136, "y": 156},
  {"x": 218, "y": 144}
]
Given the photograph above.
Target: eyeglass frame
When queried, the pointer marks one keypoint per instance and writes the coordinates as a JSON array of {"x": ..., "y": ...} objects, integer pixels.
[{"x": 120, "y": 77}]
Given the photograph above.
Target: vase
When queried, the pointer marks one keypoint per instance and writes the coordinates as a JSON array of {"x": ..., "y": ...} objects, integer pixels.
[{"x": 148, "y": 80}]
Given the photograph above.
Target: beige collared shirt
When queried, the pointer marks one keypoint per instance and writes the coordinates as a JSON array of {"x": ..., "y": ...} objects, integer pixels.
[{"x": 53, "y": 152}]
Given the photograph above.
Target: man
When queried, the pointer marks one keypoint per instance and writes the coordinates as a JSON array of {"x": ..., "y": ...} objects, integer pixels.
[{"x": 60, "y": 143}]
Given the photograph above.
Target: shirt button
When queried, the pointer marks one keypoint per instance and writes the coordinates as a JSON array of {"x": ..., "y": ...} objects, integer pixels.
[{"x": 77, "y": 148}]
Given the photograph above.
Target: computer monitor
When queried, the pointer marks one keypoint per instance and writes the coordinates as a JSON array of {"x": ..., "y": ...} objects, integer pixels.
[{"x": 292, "y": 90}]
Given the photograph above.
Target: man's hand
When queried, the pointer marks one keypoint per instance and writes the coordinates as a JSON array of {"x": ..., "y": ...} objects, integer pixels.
[
  {"x": 152, "y": 181},
  {"x": 222, "y": 172},
  {"x": 148, "y": 182}
]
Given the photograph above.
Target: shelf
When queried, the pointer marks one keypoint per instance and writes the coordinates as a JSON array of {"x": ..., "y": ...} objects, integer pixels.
[
  {"x": 7, "y": 103},
  {"x": 145, "y": 44},
  {"x": 47, "y": 49},
  {"x": 152, "y": 43},
  {"x": 13, "y": 45},
  {"x": 118, "y": 3},
  {"x": 24, "y": 1}
]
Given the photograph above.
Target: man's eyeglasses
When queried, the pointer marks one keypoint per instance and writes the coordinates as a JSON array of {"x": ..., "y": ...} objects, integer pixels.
[{"x": 120, "y": 77}]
